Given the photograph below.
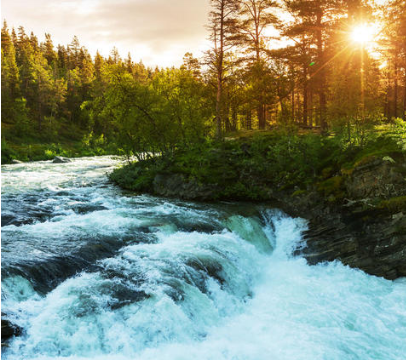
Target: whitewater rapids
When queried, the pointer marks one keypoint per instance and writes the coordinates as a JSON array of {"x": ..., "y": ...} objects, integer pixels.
[{"x": 92, "y": 272}]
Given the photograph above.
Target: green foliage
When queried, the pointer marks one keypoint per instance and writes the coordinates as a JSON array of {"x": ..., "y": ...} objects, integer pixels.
[
  {"x": 21, "y": 117},
  {"x": 96, "y": 106},
  {"x": 7, "y": 154},
  {"x": 246, "y": 168},
  {"x": 394, "y": 205},
  {"x": 136, "y": 176},
  {"x": 331, "y": 186},
  {"x": 398, "y": 129}
]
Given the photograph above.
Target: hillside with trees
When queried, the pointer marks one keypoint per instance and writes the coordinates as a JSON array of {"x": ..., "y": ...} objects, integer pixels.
[{"x": 61, "y": 100}]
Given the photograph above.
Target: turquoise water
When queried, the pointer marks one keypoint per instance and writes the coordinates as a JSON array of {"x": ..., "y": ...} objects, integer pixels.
[{"x": 90, "y": 272}]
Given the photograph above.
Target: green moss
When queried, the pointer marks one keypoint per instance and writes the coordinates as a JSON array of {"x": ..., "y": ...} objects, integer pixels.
[
  {"x": 365, "y": 160},
  {"x": 332, "y": 186},
  {"x": 395, "y": 204},
  {"x": 299, "y": 192}
]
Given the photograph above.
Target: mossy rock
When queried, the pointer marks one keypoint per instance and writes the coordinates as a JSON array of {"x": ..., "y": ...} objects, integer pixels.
[
  {"x": 331, "y": 186},
  {"x": 299, "y": 192},
  {"x": 394, "y": 205}
]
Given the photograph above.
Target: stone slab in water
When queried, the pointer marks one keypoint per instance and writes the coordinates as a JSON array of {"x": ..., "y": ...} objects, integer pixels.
[{"x": 60, "y": 160}]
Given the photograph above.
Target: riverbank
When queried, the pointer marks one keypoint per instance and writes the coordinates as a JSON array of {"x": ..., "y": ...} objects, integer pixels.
[
  {"x": 353, "y": 197},
  {"x": 72, "y": 142},
  {"x": 38, "y": 151}
]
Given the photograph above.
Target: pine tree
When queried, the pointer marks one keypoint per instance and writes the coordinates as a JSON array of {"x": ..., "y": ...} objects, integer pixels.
[
  {"x": 255, "y": 17},
  {"x": 9, "y": 69},
  {"x": 313, "y": 21},
  {"x": 48, "y": 50},
  {"x": 222, "y": 26},
  {"x": 394, "y": 42},
  {"x": 10, "y": 78}
]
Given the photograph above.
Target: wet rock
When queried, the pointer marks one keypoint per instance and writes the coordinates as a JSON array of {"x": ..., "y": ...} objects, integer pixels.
[
  {"x": 376, "y": 178},
  {"x": 369, "y": 240},
  {"x": 87, "y": 208},
  {"x": 60, "y": 160},
  {"x": 8, "y": 329},
  {"x": 356, "y": 230},
  {"x": 175, "y": 185}
]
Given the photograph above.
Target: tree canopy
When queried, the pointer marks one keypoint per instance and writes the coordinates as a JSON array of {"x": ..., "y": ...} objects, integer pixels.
[{"x": 289, "y": 63}]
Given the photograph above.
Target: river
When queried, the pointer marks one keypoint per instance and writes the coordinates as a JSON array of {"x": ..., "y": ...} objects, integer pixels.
[{"x": 92, "y": 272}]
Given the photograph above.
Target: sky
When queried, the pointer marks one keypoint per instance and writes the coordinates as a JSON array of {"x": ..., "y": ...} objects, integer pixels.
[{"x": 158, "y": 32}]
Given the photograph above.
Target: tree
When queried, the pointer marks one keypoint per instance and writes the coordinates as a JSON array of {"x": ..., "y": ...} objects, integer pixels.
[
  {"x": 313, "y": 21},
  {"x": 222, "y": 26},
  {"x": 48, "y": 50},
  {"x": 394, "y": 43},
  {"x": 191, "y": 64},
  {"x": 9, "y": 69},
  {"x": 10, "y": 77},
  {"x": 254, "y": 18}
]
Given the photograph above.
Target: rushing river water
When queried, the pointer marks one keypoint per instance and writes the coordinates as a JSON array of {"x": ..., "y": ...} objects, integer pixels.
[{"x": 90, "y": 272}]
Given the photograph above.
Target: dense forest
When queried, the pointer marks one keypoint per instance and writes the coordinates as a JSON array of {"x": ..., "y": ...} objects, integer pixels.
[{"x": 322, "y": 76}]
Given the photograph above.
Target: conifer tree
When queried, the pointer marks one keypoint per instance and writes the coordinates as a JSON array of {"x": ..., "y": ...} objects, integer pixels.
[
  {"x": 222, "y": 26},
  {"x": 255, "y": 17}
]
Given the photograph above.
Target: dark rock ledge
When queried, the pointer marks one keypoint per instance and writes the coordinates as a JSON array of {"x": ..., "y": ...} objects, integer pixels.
[
  {"x": 8, "y": 329},
  {"x": 364, "y": 227},
  {"x": 367, "y": 228}
]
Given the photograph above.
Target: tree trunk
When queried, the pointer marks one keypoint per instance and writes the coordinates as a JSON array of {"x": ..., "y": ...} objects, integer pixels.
[
  {"x": 404, "y": 99},
  {"x": 322, "y": 82},
  {"x": 311, "y": 112},
  {"x": 234, "y": 117},
  {"x": 293, "y": 105},
  {"x": 219, "y": 121},
  {"x": 395, "y": 90},
  {"x": 305, "y": 101},
  {"x": 248, "y": 124},
  {"x": 261, "y": 117},
  {"x": 219, "y": 98}
]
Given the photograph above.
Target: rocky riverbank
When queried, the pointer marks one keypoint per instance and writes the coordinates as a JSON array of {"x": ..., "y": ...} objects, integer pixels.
[
  {"x": 356, "y": 214},
  {"x": 366, "y": 229}
]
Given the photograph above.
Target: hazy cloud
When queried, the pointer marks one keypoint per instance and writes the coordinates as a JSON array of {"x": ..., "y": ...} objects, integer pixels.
[{"x": 158, "y": 31}]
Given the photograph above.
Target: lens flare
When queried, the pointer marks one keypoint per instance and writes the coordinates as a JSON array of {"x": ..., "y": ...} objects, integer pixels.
[{"x": 363, "y": 33}]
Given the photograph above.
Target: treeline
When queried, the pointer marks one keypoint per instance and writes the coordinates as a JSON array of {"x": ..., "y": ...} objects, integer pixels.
[
  {"x": 47, "y": 92},
  {"x": 320, "y": 77}
]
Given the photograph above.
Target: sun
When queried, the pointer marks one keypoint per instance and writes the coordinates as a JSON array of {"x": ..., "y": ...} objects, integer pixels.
[{"x": 363, "y": 33}]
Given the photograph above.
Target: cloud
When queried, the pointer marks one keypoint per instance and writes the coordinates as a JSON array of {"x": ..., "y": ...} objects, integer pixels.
[{"x": 159, "y": 31}]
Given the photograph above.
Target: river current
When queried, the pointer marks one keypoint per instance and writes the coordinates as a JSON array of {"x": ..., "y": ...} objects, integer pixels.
[{"x": 92, "y": 272}]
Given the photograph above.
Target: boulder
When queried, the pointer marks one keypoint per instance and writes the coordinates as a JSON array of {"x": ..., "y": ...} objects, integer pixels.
[
  {"x": 60, "y": 160},
  {"x": 8, "y": 329}
]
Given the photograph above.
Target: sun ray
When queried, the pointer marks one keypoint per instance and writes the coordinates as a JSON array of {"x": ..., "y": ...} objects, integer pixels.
[{"x": 363, "y": 33}]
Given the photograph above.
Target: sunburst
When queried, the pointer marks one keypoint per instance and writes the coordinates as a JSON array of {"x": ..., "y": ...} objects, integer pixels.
[{"x": 363, "y": 33}]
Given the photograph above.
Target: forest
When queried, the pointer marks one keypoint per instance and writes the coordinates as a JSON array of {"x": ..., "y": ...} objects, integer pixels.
[{"x": 335, "y": 66}]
